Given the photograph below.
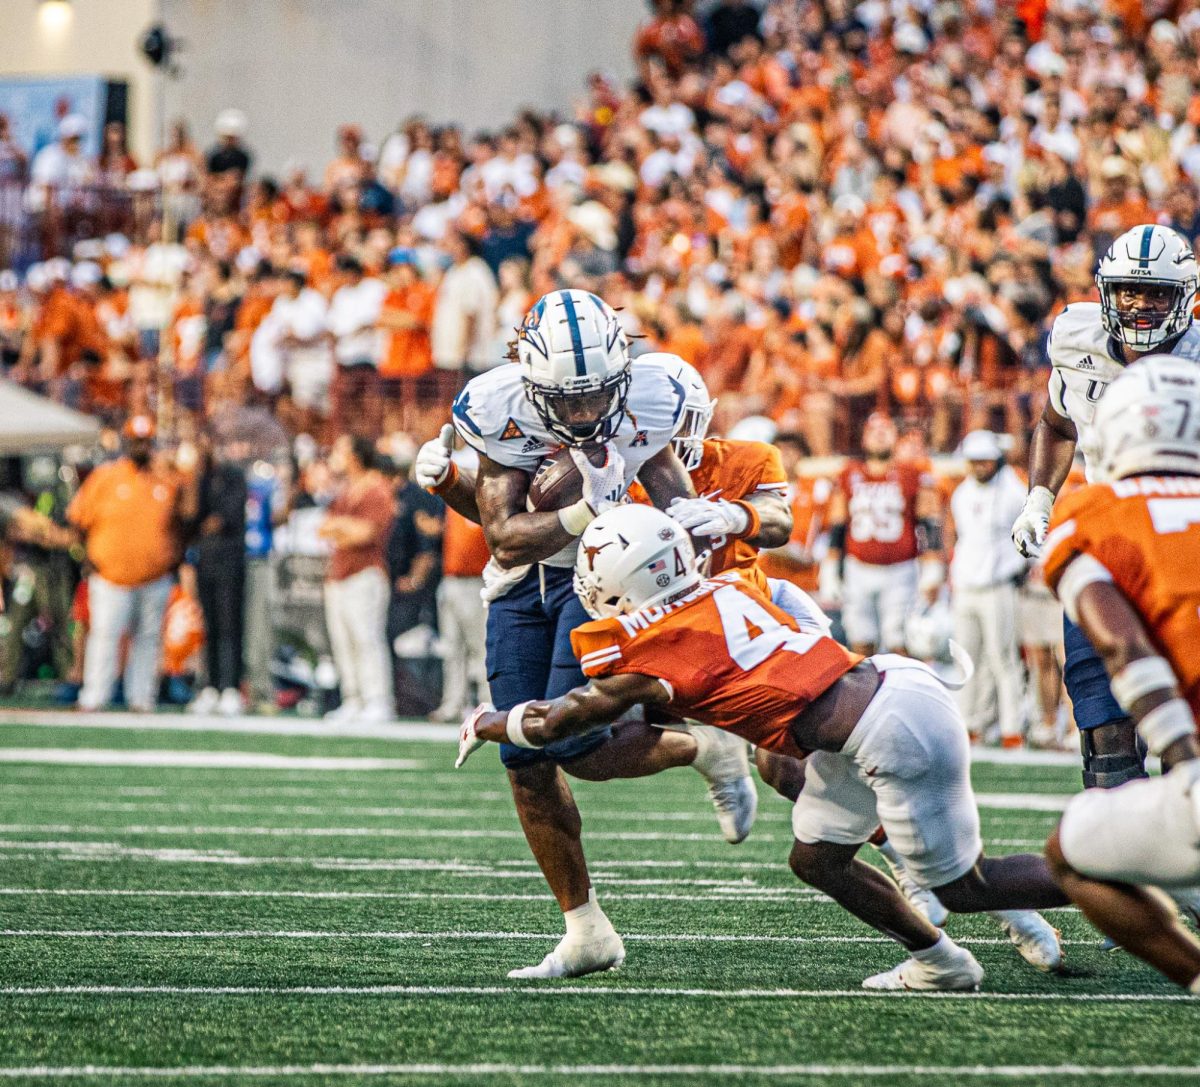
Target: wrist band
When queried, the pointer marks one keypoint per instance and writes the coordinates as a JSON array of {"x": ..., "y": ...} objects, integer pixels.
[
  {"x": 577, "y": 517},
  {"x": 1141, "y": 677},
  {"x": 1044, "y": 499},
  {"x": 513, "y": 727},
  {"x": 1165, "y": 724},
  {"x": 448, "y": 482},
  {"x": 755, "y": 523}
]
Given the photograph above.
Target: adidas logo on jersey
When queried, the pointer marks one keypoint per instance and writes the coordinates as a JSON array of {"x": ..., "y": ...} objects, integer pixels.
[
  {"x": 1086, "y": 363},
  {"x": 511, "y": 431},
  {"x": 532, "y": 445}
]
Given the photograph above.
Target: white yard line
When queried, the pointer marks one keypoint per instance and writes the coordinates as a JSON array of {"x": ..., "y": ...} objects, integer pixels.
[
  {"x": 583, "y": 989},
  {"x": 567, "y": 1071},
  {"x": 731, "y": 893},
  {"x": 188, "y": 831},
  {"x": 408, "y": 729},
  {"x": 206, "y": 760},
  {"x": 1036, "y": 802},
  {"x": 453, "y": 934}
]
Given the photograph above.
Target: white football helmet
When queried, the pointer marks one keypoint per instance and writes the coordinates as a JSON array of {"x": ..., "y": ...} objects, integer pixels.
[
  {"x": 633, "y": 557},
  {"x": 1148, "y": 421},
  {"x": 576, "y": 366},
  {"x": 1148, "y": 258},
  {"x": 698, "y": 408},
  {"x": 927, "y": 632}
]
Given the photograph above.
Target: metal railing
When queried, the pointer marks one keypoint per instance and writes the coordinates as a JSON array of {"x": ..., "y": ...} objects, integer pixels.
[{"x": 42, "y": 221}]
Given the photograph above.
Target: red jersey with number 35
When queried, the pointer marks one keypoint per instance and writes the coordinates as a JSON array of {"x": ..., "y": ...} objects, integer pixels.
[
  {"x": 881, "y": 516},
  {"x": 1146, "y": 532},
  {"x": 726, "y": 655}
]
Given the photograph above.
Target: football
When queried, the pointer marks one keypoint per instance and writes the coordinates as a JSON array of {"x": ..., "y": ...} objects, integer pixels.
[{"x": 557, "y": 483}]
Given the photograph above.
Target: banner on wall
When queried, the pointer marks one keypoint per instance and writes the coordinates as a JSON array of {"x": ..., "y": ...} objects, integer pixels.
[{"x": 34, "y": 105}]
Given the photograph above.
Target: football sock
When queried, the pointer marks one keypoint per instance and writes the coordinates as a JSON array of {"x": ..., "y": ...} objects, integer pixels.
[
  {"x": 939, "y": 951},
  {"x": 587, "y": 921}
]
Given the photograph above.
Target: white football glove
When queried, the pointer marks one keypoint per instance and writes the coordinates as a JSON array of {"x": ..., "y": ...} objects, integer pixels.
[
  {"x": 709, "y": 517},
  {"x": 433, "y": 459},
  {"x": 829, "y": 583},
  {"x": 603, "y": 486},
  {"x": 1029, "y": 530},
  {"x": 468, "y": 742}
]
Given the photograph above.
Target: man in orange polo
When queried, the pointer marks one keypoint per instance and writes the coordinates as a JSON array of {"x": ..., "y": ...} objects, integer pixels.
[{"x": 128, "y": 512}]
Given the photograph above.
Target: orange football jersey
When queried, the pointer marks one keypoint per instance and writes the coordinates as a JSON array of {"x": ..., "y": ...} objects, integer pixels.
[
  {"x": 1146, "y": 532},
  {"x": 727, "y": 656},
  {"x": 732, "y": 470}
]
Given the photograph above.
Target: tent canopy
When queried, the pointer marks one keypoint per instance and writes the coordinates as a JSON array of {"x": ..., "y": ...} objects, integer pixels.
[{"x": 32, "y": 424}]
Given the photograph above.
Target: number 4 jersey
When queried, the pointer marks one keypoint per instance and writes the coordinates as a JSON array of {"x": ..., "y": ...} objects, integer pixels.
[
  {"x": 726, "y": 656},
  {"x": 1145, "y": 531},
  {"x": 881, "y": 512}
]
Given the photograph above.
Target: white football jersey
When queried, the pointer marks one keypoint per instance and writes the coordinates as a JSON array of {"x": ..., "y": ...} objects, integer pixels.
[
  {"x": 494, "y": 417},
  {"x": 1082, "y": 357}
]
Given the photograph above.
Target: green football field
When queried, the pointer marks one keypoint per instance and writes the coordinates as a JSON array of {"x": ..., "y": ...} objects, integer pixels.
[{"x": 236, "y": 907}]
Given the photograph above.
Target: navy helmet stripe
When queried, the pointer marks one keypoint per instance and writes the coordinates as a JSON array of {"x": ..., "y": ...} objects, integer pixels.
[
  {"x": 1144, "y": 255},
  {"x": 576, "y": 338}
]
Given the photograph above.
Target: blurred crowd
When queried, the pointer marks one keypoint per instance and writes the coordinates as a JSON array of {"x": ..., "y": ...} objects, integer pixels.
[{"x": 831, "y": 209}]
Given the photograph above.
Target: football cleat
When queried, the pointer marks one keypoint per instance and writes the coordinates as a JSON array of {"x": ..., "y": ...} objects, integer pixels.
[
  {"x": 206, "y": 702},
  {"x": 1037, "y": 941},
  {"x": 722, "y": 760},
  {"x": 573, "y": 957},
  {"x": 923, "y": 900},
  {"x": 957, "y": 970}
]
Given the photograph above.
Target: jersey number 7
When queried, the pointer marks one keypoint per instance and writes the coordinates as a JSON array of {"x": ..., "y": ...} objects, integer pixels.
[{"x": 752, "y": 634}]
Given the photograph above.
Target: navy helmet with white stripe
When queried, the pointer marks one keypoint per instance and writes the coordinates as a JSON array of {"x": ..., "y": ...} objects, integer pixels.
[
  {"x": 575, "y": 365},
  {"x": 1148, "y": 281}
]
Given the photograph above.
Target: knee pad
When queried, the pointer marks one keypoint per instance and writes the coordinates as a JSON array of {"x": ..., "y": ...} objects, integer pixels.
[{"x": 1109, "y": 771}]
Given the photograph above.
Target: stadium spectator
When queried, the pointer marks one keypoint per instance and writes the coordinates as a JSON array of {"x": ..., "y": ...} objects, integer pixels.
[
  {"x": 405, "y": 318},
  {"x": 62, "y": 165},
  {"x": 43, "y": 571},
  {"x": 131, "y": 578},
  {"x": 461, "y": 625},
  {"x": 353, "y": 324},
  {"x": 219, "y": 526},
  {"x": 356, "y": 587},
  {"x": 464, "y": 319}
]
